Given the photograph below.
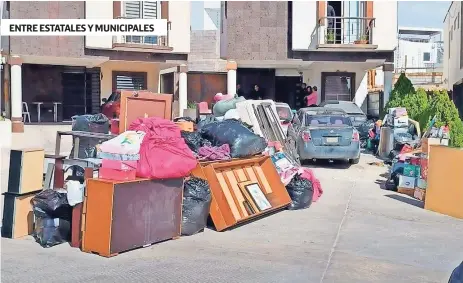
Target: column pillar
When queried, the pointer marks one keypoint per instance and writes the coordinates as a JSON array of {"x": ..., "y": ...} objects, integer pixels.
[
  {"x": 182, "y": 88},
  {"x": 231, "y": 77},
  {"x": 17, "y": 124},
  {"x": 388, "y": 69}
]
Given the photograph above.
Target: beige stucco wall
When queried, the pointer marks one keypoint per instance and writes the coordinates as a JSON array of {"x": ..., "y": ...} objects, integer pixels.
[{"x": 152, "y": 70}]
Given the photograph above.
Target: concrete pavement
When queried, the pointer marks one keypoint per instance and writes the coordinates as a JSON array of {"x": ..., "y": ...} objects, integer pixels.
[{"x": 356, "y": 232}]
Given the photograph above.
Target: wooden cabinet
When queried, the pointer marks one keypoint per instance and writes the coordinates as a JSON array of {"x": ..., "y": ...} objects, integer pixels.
[
  {"x": 26, "y": 170},
  {"x": 139, "y": 104},
  {"x": 18, "y": 218},
  {"x": 120, "y": 216},
  {"x": 228, "y": 201}
]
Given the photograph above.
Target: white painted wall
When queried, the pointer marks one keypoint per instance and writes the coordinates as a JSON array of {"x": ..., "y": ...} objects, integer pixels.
[
  {"x": 304, "y": 33},
  {"x": 452, "y": 72},
  {"x": 99, "y": 10},
  {"x": 179, "y": 35},
  {"x": 413, "y": 52},
  {"x": 385, "y": 30}
]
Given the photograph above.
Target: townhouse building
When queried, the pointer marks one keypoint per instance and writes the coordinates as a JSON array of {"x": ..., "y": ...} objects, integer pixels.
[
  {"x": 453, "y": 53},
  {"x": 328, "y": 44},
  {"x": 74, "y": 73}
]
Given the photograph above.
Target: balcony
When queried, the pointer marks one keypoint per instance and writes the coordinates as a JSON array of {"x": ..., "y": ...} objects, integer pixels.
[
  {"x": 345, "y": 33},
  {"x": 159, "y": 44}
]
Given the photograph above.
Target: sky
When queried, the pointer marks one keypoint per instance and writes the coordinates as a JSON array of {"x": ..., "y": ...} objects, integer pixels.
[{"x": 428, "y": 14}]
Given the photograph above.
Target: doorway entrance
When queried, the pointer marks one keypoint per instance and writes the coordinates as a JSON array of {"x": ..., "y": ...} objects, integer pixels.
[
  {"x": 338, "y": 86},
  {"x": 285, "y": 90},
  {"x": 348, "y": 25}
]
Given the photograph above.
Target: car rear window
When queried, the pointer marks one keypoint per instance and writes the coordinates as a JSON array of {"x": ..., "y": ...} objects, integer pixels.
[
  {"x": 284, "y": 113},
  {"x": 325, "y": 120},
  {"x": 350, "y": 108}
]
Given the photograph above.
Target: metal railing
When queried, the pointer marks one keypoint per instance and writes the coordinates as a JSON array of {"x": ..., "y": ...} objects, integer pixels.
[
  {"x": 154, "y": 40},
  {"x": 346, "y": 30}
]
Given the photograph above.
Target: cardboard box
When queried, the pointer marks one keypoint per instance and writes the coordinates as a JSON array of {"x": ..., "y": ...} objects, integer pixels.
[
  {"x": 421, "y": 183},
  {"x": 420, "y": 194},
  {"x": 428, "y": 142},
  {"x": 406, "y": 182},
  {"x": 406, "y": 191},
  {"x": 117, "y": 175},
  {"x": 400, "y": 121},
  {"x": 411, "y": 170}
]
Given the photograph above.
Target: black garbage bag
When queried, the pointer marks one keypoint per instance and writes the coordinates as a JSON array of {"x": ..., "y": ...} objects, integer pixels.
[
  {"x": 196, "y": 204},
  {"x": 50, "y": 232},
  {"x": 365, "y": 128},
  {"x": 97, "y": 123},
  {"x": 206, "y": 120},
  {"x": 243, "y": 142},
  {"x": 51, "y": 204},
  {"x": 457, "y": 274},
  {"x": 194, "y": 140},
  {"x": 301, "y": 192},
  {"x": 403, "y": 138}
]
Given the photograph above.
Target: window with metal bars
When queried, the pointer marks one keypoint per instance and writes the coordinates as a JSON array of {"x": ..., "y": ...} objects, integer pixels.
[
  {"x": 129, "y": 81},
  {"x": 142, "y": 10}
]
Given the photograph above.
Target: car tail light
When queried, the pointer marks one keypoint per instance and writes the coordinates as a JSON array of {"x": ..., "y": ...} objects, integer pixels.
[
  {"x": 306, "y": 136},
  {"x": 355, "y": 136}
]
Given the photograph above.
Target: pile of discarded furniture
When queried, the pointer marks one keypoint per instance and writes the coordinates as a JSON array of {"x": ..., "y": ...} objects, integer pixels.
[{"x": 153, "y": 178}]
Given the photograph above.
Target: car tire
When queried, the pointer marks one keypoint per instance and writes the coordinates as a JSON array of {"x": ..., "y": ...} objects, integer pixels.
[{"x": 354, "y": 161}]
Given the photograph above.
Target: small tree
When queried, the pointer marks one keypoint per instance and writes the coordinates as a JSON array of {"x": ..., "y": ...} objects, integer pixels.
[
  {"x": 445, "y": 111},
  {"x": 402, "y": 88}
]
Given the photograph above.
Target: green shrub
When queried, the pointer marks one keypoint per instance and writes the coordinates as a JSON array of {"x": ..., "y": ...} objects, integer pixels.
[
  {"x": 445, "y": 111},
  {"x": 402, "y": 88}
]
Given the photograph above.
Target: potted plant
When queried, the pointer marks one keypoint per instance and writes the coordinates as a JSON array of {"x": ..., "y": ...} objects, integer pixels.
[
  {"x": 191, "y": 110},
  {"x": 330, "y": 37},
  {"x": 362, "y": 40}
]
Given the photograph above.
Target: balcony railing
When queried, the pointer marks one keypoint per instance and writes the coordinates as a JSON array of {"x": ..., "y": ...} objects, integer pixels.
[
  {"x": 144, "y": 42},
  {"x": 348, "y": 31}
]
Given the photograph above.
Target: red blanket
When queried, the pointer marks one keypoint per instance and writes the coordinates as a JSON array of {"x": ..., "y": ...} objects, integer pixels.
[{"x": 308, "y": 174}]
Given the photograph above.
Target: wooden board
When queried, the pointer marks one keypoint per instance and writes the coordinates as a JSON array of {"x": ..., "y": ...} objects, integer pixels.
[
  {"x": 18, "y": 218},
  {"x": 444, "y": 193},
  {"x": 141, "y": 104}
]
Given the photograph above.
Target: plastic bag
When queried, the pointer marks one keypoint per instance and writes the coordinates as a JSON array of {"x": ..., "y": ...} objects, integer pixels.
[
  {"x": 222, "y": 106},
  {"x": 194, "y": 140},
  {"x": 75, "y": 192},
  {"x": 184, "y": 119},
  {"x": 163, "y": 152},
  {"x": 243, "y": 142},
  {"x": 126, "y": 143},
  {"x": 196, "y": 204},
  {"x": 403, "y": 137},
  {"x": 365, "y": 128},
  {"x": 50, "y": 232},
  {"x": 51, "y": 204},
  {"x": 301, "y": 192},
  {"x": 457, "y": 274},
  {"x": 97, "y": 123},
  {"x": 206, "y": 120}
]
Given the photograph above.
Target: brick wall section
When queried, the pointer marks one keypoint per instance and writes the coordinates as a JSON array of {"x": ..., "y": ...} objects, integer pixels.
[
  {"x": 205, "y": 52},
  {"x": 64, "y": 46},
  {"x": 257, "y": 30}
]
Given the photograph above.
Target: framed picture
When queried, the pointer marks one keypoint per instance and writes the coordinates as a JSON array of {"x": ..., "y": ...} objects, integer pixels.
[{"x": 253, "y": 193}]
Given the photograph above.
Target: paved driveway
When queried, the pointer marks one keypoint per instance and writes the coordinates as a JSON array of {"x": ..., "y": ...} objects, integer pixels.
[{"x": 355, "y": 233}]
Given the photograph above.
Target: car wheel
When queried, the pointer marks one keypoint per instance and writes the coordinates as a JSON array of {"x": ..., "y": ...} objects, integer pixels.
[{"x": 354, "y": 161}]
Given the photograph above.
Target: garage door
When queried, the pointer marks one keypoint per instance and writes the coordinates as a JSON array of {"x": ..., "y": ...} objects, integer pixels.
[{"x": 338, "y": 87}]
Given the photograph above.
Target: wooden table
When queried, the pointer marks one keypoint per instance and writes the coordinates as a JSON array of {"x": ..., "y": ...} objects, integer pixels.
[{"x": 76, "y": 135}]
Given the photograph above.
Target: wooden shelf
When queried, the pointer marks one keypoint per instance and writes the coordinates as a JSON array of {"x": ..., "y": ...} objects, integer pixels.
[{"x": 227, "y": 207}]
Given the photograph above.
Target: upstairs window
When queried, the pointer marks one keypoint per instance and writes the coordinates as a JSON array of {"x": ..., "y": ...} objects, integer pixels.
[
  {"x": 142, "y": 10},
  {"x": 426, "y": 56}
]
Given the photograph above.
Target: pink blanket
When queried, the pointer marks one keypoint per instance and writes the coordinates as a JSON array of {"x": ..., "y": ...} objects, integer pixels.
[{"x": 308, "y": 174}]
